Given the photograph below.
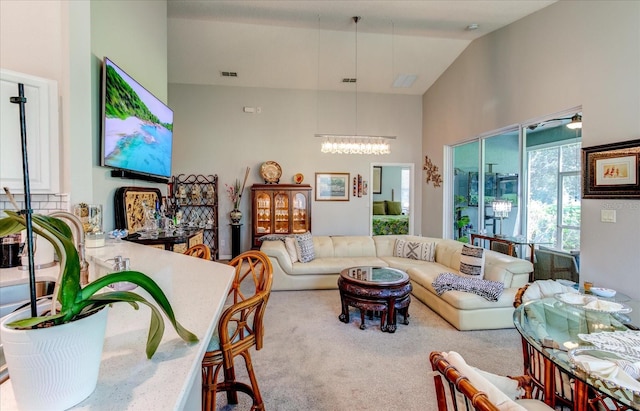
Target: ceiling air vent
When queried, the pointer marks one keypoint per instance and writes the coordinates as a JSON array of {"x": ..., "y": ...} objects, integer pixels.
[
  {"x": 349, "y": 80},
  {"x": 229, "y": 74}
]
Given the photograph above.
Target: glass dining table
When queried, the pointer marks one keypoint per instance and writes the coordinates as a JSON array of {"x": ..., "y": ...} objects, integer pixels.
[{"x": 557, "y": 331}]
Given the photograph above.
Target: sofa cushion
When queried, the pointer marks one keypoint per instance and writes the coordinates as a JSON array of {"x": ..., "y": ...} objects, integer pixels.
[
  {"x": 424, "y": 275},
  {"x": 394, "y": 207},
  {"x": 353, "y": 246},
  {"x": 290, "y": 245},
  {"x": 472, "y": 261},
  {"x": 304, "y": 247},
  {"x": 415, "y": 250},
  {"x": 334, "y": 265},
  {"x": 404, "y": 264}
]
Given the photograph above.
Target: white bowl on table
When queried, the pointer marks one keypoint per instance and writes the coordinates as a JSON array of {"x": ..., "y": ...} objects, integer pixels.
[{"x": 603, "y": 292}]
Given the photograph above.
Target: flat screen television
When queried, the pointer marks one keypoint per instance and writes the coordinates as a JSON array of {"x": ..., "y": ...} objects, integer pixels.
[{"x": 137, "y": 128}]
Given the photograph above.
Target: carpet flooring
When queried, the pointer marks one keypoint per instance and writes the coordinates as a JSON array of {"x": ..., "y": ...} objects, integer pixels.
[{"x": 312, "y": 361}]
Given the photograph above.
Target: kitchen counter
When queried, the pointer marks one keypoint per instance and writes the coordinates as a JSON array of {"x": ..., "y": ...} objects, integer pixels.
[{"x": 171, "y": 380}]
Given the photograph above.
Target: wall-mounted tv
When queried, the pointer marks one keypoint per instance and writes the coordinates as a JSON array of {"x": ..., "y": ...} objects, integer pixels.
[{"x": 137, "y": 128}]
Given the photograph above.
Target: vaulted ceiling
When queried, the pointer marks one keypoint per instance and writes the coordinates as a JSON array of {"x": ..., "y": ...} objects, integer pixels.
[{"x": 313, "y": 45}]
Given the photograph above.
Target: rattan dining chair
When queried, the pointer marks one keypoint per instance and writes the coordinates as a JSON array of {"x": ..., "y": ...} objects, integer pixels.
[
  {"x": 534, "y": 363},
  {"x": 199, "y": 251},
  {"x": 457, "y": 392},
  {"x": 240, "y": 327}
]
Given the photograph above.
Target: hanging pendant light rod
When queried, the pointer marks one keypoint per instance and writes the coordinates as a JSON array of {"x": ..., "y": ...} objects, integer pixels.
[
  {"x": 356, "y": 19},
  {"x": 354, "y": 143}
]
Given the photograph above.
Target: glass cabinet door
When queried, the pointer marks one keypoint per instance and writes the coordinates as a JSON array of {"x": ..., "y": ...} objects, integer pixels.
[
  {"x": 263, "y": 213},
  {"x": 300, "y": 221},
  {"x": 281, "y": 212}
]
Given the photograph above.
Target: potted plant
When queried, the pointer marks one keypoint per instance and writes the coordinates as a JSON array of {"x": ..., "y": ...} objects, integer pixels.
[
  {"x": 461, "y": 221},
  {"x": 71, "y": 308}
]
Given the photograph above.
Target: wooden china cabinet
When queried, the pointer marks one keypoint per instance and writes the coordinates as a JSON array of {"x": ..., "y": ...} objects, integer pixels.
[{"x": 279, "y": 209}]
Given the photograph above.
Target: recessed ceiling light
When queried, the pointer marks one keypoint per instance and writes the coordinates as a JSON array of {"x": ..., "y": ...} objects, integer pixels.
[
  {"x": 404, "y": 80},
  {"x": 472, "y": 26}
]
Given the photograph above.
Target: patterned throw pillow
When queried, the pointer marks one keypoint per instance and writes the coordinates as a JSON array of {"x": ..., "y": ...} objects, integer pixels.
[
  {"x": 273, "y": 237},
  {"x": 472, "y": 261},
  {"x": 290, "y": 244},
  {"x": 415, "y": 250},
  {"x": 304, "y": 247}
]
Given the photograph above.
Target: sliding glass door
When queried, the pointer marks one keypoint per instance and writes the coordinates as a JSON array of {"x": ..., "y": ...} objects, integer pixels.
[{"x": 533, "y": 167}]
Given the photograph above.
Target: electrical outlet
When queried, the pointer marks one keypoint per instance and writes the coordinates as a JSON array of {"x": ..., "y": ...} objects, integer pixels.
[
  {"x": 608, "y": 216},
  {"x": 223, "y": 243}
]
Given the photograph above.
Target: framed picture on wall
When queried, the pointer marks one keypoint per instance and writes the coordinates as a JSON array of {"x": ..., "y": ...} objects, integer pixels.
[
  {"x": 332, "y": 187},
  {"x": 376, "y": 186},
  {"x": 611, "y": 170}
]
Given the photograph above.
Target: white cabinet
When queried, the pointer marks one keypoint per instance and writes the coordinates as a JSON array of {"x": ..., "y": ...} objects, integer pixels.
[{"x": 41, "y": 118}]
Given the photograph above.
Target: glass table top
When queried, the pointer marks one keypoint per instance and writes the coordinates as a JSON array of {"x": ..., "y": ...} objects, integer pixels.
[
  {"x": 555, "y": 328},
  {"x": 381, "y": 275}
]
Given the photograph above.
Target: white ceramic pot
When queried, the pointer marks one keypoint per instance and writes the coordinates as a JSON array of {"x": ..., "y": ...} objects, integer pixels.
[{"x": 53, "y": 368}]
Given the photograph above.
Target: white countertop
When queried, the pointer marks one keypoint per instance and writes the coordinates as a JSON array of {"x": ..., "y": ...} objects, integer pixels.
[{"x": 197, "y": 291}]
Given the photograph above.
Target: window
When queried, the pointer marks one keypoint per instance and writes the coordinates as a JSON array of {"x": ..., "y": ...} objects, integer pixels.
[{"x": 553, "y": 212}]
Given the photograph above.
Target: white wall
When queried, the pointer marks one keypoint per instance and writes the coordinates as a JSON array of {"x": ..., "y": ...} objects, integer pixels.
[
  {"x": 391, "y": 180},
  {"x": 214, "y": 136},
  {"x": 65, "y": 41},
  {"x": 566, "y": 55},
  {"x": 134, "y": 35}
]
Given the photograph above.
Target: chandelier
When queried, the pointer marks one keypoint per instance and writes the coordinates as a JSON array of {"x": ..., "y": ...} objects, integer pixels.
[
  {"x": 338, "y": 144},
  {"x": 501, "y": 209}
]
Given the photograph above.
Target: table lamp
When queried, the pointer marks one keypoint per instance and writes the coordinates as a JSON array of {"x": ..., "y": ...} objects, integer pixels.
[{"x": 501, "y": 209}]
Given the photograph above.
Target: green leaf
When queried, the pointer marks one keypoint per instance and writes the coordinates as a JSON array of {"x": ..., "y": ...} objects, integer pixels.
[
  {"x": 33, "y": 321},
  {"x": 75, "y": 301},
  {"x": 9, "y": 226},
  {"x": 156, "y": 325},
  {"x": 150, "y": 286}
]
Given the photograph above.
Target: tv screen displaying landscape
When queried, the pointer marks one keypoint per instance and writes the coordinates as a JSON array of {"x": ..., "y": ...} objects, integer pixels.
[{"x": 138, "y": 127}]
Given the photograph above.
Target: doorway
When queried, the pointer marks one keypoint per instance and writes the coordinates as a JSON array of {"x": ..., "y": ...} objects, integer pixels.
[{"x": 392, "y": 198}]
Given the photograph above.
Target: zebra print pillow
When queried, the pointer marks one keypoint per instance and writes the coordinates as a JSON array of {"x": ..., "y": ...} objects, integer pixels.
[{"x": 472, "y": 261}]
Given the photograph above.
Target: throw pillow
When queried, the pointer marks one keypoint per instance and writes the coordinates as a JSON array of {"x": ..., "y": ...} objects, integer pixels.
[
  {"x": 415, "y": 250},
  {"x": 394, "y": 208},
  {"x": 378, "y": 208},
  {"x": 290, "y": 245},
  {"x": 273, "y": 237},
  {"x": 304, "y": 247},
  {"x": 472, "y": 261}
]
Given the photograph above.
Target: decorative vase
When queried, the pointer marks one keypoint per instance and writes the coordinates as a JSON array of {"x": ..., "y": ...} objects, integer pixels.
[
  {"x": 235, "y": 215},
  {"x": 55, "y": 367}
]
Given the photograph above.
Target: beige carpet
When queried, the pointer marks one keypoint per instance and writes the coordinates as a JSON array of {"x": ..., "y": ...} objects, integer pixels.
[{"x": 312, "y": 361}]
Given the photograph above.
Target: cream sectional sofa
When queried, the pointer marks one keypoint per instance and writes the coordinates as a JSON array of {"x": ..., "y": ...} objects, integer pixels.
[{"x": 465, "y": 311}]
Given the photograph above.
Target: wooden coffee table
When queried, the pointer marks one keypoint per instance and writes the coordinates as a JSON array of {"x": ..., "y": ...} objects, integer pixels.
[{"x": 375, "y": 289}]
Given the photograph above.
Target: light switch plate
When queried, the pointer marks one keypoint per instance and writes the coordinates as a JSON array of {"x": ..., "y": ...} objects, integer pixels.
[{"x": 608, "y": 216}]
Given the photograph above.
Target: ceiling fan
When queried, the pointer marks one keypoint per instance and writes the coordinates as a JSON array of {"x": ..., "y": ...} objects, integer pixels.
[{"x": 576, "y": 122}]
